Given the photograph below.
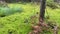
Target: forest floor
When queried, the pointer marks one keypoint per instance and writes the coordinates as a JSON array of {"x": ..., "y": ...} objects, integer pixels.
[{"x": 15, "y": 22}]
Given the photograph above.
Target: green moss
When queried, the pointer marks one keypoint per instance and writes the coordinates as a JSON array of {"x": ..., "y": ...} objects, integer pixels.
[{"x": 15, "y": 22}]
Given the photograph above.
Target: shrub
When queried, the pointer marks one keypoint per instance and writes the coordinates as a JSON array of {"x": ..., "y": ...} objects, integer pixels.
[{"x": 8, "y": 11}]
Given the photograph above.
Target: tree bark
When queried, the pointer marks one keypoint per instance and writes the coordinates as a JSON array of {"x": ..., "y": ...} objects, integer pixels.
[{"x": 42, "y": 10}]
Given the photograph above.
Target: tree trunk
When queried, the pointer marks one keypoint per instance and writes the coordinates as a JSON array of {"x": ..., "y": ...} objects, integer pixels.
[{"x": 42, "y": 10}]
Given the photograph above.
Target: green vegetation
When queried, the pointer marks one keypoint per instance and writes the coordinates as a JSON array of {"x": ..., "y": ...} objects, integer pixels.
[
  {"x": 16, "y": 24},
  {"x": 4, "y": 11},
  {"x": 52, "y": 4}
]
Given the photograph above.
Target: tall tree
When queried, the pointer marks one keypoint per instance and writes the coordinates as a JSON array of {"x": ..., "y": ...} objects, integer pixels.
[{"x": 42, "y": 10}]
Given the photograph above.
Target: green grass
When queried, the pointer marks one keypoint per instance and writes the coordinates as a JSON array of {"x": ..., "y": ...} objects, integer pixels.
[{"x": 15, "y": 22}]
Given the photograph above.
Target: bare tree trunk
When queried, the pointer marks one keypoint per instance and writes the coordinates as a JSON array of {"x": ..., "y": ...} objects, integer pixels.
[{"x": 42, "y": 10}]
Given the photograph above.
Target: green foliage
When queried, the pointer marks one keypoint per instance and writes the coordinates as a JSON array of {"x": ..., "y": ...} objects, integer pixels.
[
  {"x": 4, "y": 11},
  {"x": 15, "y": 23},
  {"x": 52, "y": 4},
  {"x": 20, "y": 23}
]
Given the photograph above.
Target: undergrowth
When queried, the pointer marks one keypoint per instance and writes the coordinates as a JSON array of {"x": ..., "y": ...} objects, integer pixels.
[{"x": 20, "y": 23}]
